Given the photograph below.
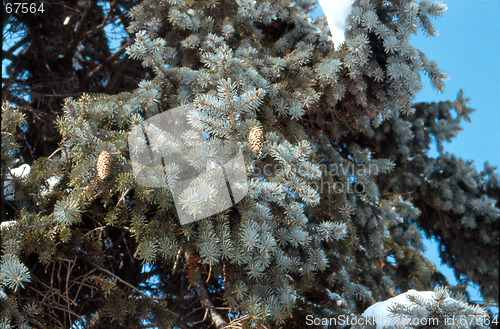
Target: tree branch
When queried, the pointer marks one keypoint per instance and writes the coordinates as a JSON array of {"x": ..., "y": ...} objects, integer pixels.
[
  {"x": 117, "y": 278},
  {"x": 76, "y": 35},
  {"x": 99, "y": 67},
  {"x": 206, "y": 302}
]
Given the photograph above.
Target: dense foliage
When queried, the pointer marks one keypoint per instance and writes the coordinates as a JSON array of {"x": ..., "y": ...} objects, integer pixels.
[{"x": 339, "y": 196}]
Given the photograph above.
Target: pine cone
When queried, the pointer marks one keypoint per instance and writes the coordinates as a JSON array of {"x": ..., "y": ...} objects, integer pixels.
[
  {"x": 103, "y": 165},
  {"x": 256, "y": 139}
]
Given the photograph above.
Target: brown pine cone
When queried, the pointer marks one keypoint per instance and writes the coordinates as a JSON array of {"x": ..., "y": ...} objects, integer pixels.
[
  {"x": 256, "y": 139},
  {"x": 103, "y": 165}
]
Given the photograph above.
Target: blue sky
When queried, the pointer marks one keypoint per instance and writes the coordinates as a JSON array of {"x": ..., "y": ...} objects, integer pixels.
[{"x": 468, "y": 50}]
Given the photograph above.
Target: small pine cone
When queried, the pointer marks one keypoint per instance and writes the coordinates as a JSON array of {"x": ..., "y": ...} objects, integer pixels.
[
  {"x": 256, "y": 139},
  {"x": 103, "y": 165},
  {"x": 458, "y": 107}
]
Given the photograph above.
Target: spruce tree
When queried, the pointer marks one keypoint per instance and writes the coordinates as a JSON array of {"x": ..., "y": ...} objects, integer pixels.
[{"x": 341, "y": 188}]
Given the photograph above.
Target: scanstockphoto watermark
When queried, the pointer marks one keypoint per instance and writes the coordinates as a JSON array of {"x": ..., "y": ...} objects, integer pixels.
[
  {"x": 346, "y": 320},
  {"x": 385, "y": 321},
  {"x": 348, "y": 176},
  {"x": 341, "y": 320},
  {"x": 207, "y": 175}
]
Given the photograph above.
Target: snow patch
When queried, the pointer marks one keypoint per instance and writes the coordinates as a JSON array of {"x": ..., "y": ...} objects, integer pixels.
[
  {"x": 8, "y": 185},
  {"x": 384, "y": 318},
  {"x": 22, "y": 172},
  {"x": 7, "y": 224},
  {"x": 336, "y": 12},
  {"x": 51, "y": 182}
]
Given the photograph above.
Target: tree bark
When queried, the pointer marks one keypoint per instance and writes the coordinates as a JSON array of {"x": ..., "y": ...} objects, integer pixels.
[{"x": 205, "y": 300}]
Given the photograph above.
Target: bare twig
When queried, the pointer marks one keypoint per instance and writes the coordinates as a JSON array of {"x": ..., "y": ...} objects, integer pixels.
[
  {"x": 125, "y": 283},
  {"x": 109, "y": 59}
]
